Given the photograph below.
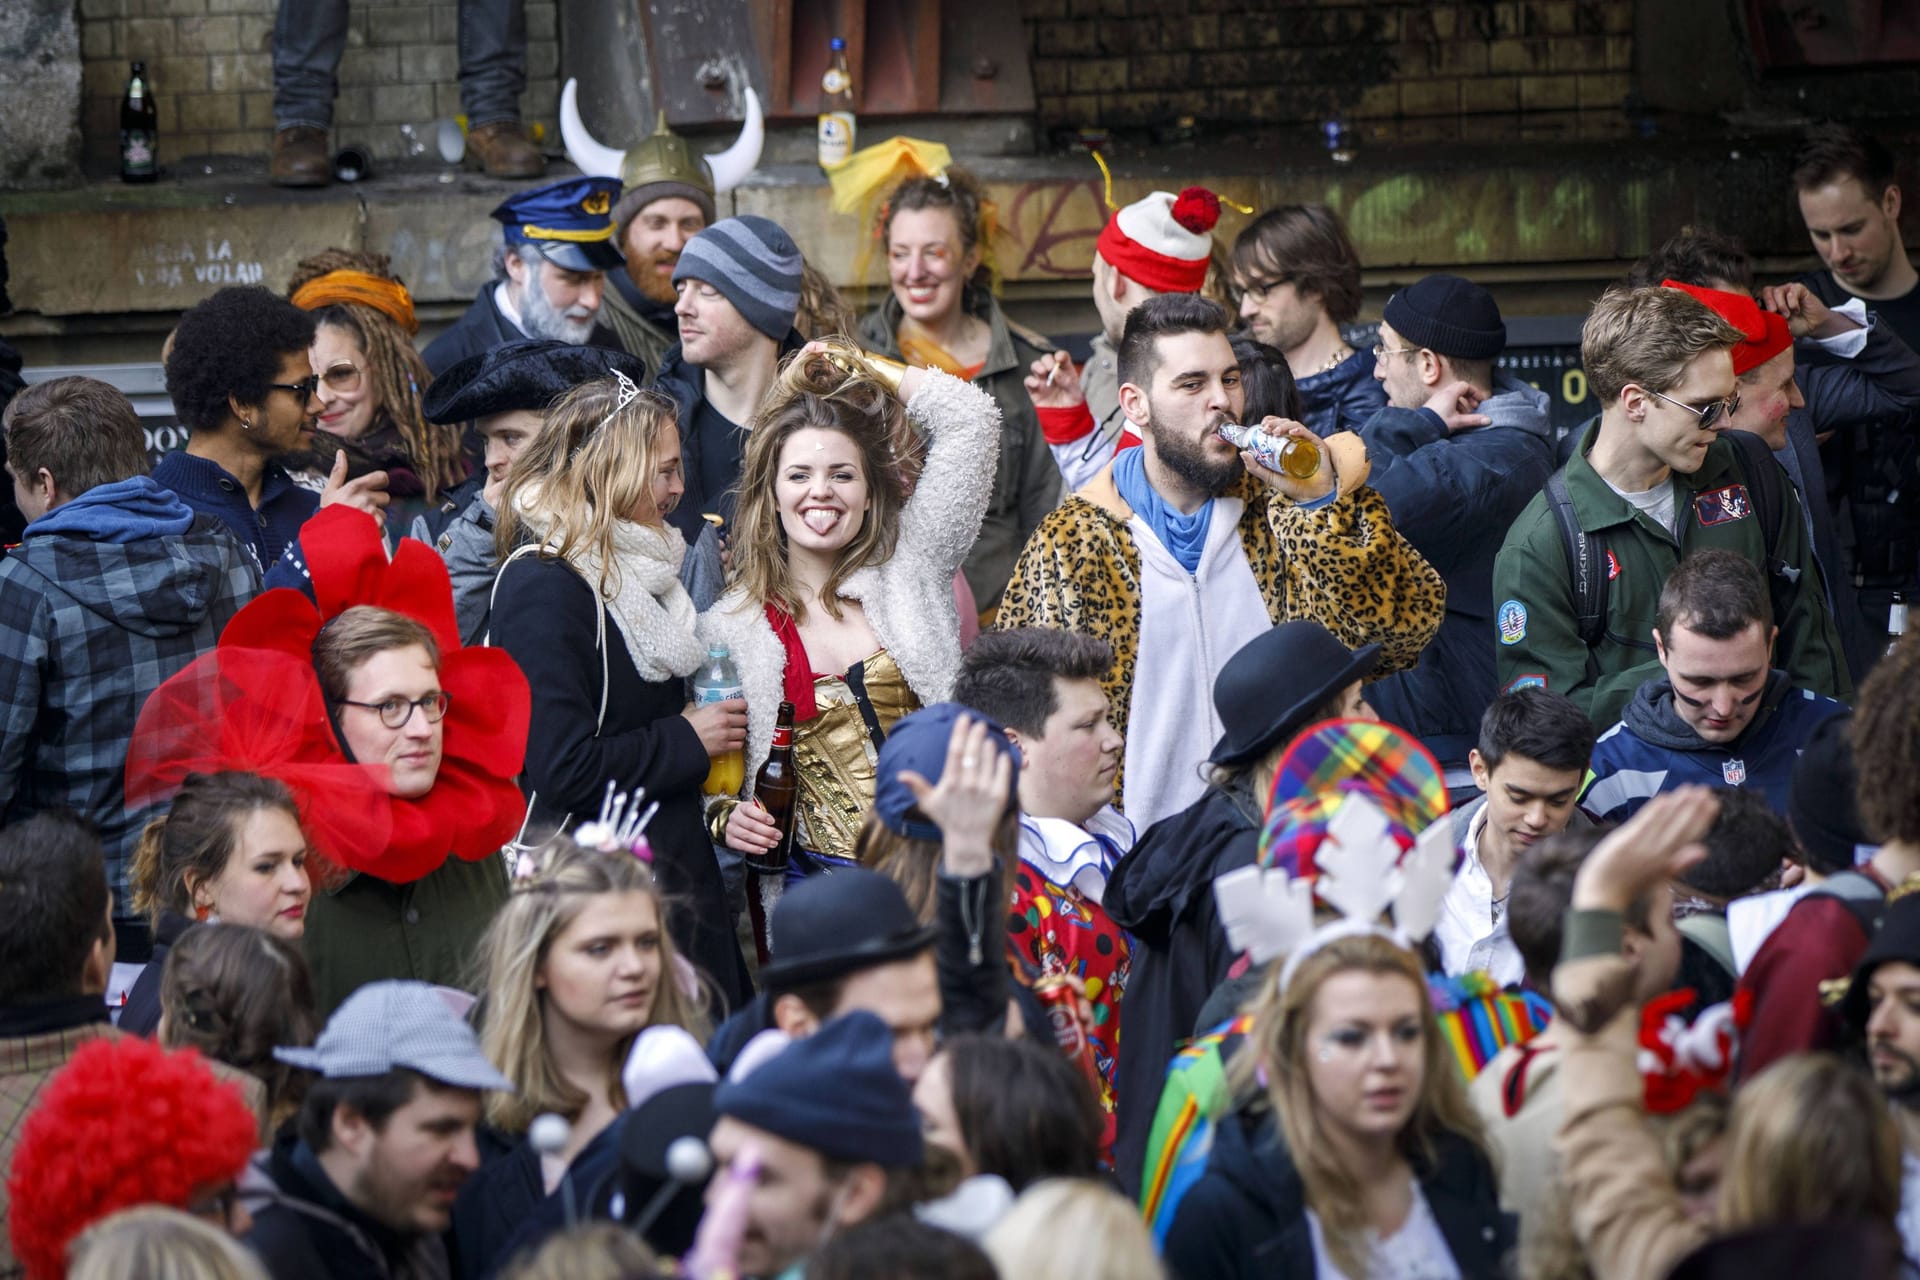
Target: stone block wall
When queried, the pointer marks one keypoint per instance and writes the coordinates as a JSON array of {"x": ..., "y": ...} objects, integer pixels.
[
  {"x": 211, "y": 63},
  {"x": 1436, "y": 67}
]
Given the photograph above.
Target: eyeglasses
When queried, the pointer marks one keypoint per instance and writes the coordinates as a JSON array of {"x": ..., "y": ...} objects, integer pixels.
[
  {"x": 1707, "y": 413},
  {"x": 342, "y": 378},
  {"x": 395, "y": 712},
  {"x": 1382, "y": 351},
  {"x": 1259, "y": 289},
  {"x": 303, "y": 388}
]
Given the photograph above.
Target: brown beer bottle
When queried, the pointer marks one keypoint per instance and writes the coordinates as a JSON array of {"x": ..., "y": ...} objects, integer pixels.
[{"x": 776, "y": 789}]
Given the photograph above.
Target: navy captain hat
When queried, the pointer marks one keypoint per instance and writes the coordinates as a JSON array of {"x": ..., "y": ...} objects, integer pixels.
[{"x": 570, "y": 222}]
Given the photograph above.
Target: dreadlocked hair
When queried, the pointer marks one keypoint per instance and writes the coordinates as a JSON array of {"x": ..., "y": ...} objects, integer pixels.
[{"x": 400, "y": 376}]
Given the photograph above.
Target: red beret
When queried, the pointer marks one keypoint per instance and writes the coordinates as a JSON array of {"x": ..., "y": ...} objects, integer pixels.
[{"x": 1766, "y": 332}]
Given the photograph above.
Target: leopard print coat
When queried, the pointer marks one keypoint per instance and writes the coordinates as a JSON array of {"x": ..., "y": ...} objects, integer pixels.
[{"x": 1342, "y": 565}]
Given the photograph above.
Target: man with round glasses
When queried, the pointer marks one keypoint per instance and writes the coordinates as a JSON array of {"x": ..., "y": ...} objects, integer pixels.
[{"x": 1578, "y": 580}]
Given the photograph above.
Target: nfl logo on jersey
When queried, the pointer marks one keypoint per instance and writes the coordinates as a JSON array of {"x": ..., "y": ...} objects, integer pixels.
[{"x": 1734, "y": 771}]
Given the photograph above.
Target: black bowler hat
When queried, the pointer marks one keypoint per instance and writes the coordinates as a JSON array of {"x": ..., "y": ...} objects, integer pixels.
[
  {"x": 1268, "y": 689},
  {"x": 521, "y": 375},
  {"x": 831, "y": 925}
]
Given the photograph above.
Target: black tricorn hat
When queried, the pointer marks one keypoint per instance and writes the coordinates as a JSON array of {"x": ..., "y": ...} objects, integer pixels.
[{"x": 521, "y": 375}]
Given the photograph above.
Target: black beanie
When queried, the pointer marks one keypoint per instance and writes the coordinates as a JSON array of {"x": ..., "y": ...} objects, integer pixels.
[
  {"x": 1821, "y": 806},
  {"x": 1449, "y": 315},
  {"x": 836, "y": 1092}
]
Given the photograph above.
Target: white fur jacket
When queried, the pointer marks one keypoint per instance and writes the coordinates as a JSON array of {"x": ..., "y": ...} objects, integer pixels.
[{"x": 909, "y": 598}]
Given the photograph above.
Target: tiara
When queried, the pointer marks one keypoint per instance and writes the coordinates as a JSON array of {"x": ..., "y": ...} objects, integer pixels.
[
  {"x": 629, "y": 392},
  {"x": 1268, "y": 913},
  {"x": 621, "y": 826}
]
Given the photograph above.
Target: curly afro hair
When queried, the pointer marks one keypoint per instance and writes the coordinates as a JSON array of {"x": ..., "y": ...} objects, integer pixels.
[
  {"x": 1886, "y": 745},
  {"x": 124, "y": 1123},
  {"x": 231, "y": 344}
]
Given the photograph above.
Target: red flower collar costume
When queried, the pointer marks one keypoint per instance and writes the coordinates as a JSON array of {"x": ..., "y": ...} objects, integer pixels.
[{"x": 474, "y": 806}]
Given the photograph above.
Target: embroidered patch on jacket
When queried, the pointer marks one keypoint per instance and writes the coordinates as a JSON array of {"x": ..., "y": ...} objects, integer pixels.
[
  {"x": 1513, "y": 622},
  {"x": 1526, "y": 680},
  {"x": 1734, "y": 771},
  {"x": 1722, "y": 505},
  {"x": 1613, "y": 566}
]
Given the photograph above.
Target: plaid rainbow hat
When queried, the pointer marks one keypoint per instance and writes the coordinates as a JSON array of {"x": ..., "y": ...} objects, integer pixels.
[{"x": 1335, "y": 759}]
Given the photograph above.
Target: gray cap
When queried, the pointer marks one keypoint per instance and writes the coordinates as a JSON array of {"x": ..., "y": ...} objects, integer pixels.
[{"x": 385, "y": 1025}]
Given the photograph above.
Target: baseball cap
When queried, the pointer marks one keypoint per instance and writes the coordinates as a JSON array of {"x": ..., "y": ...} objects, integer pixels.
[{"x": 385, "y": 1025}]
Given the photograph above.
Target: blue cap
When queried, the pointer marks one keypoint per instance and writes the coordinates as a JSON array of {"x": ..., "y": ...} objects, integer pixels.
[
  {"x": 836, "y": 1092},
  {"x": 918, "y": 744},
  {"x": 570, "y": 222}
]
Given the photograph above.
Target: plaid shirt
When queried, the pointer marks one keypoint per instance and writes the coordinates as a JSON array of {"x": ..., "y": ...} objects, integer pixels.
[
  {"x": 26, "y": 1064},
  {"x": 87, "y": 631}
]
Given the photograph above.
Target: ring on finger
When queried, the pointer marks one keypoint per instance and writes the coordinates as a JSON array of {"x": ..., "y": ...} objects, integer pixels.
[{"x": 968, "y": 762}]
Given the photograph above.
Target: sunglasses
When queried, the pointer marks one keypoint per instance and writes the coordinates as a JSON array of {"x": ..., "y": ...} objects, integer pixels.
[
  {"x": 1707, "y": 413},
  {"x": 303, "y": 388}
]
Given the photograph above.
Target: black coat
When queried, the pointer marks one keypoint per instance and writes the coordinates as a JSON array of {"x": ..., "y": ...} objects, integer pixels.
[
  {"x": 306, "y": 1230},
  {"x": 1246, "y": 1216},
  {"x": 1161, "y": 892},
  {"x": 482, "y": 328},
  {"x": 544, "y": 616},
  {"x": 140, "y": 1016}
]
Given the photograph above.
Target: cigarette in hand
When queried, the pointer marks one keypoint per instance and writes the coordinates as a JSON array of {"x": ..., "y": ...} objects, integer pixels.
[{"x": 1053, "y": 372}]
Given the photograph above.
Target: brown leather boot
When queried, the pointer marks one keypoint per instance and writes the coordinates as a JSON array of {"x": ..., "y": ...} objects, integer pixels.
[
  {"x": 504, "y": 150},
  {"x": 300, "y": 158}
]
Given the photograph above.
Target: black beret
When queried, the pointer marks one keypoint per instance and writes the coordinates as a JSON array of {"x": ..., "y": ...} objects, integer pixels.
[{"x": 521, "y": 375}]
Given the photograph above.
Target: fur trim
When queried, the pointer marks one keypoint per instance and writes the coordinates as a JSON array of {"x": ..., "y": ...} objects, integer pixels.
[{"x": 909, "y": 599}]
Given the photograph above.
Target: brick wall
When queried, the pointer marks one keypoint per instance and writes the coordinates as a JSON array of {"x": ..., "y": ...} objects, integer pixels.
[
  {"x": 211, "y": 63},
  {"x": 1436, "y": 67}
]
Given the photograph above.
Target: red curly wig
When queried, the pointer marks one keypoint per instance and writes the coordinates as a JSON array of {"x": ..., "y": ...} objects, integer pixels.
[{"x": 124, "y": 1123}]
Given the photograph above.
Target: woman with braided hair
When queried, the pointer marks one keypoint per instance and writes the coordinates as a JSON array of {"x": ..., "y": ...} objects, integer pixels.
[{"x": 372, "y": 379}]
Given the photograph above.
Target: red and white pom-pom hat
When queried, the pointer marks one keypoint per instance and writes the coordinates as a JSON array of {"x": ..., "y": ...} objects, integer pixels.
[{"x": 1163, "y": 241}]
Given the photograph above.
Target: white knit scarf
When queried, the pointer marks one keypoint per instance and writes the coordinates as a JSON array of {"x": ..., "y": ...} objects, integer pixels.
[{"x": 653, "y": 611}]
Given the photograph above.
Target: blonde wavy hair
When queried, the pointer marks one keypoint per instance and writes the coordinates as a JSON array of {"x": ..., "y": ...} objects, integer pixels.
[
  {"x": 815, "y": 392},
  {"x": 1810, "y": 1140},
  {"x": 159, "y": 1244},
  {"x": 590, "y": 464},
  {"x": 1277, "y": 1043},
  {"x": 510, "y": 959},
  {"x": 1073, "y": 1226}
]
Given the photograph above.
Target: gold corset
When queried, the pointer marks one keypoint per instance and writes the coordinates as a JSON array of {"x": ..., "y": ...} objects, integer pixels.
[{"x": 834, "y": 755}]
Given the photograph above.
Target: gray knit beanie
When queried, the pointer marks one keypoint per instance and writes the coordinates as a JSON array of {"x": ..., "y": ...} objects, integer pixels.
[{"x": 754, "y": 264}]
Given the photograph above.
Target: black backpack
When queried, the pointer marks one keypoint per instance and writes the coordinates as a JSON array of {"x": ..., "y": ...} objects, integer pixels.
[{"x": 1587, "y": 552}]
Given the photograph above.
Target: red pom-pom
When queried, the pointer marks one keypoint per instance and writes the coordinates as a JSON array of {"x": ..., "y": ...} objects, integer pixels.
[{"x": 1197, "y": 209}]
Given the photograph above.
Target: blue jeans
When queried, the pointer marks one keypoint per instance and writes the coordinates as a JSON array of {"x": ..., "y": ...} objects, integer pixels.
[{"x": 310, "y": 35}]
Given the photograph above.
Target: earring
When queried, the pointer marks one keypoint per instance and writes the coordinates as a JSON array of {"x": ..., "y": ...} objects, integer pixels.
[
  {"x": 201, "y": 911},
  {"x": 247, "y": 423}
]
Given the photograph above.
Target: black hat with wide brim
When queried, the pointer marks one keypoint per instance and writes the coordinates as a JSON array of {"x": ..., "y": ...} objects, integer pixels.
[
  {"x": 1897, "y": 939},
  {"x": 527, "y": 376},
  {"x": 1276, "y": 681}
]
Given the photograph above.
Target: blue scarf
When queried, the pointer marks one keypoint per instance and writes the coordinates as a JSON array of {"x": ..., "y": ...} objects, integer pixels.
[{"x": 1183, "y": 536}]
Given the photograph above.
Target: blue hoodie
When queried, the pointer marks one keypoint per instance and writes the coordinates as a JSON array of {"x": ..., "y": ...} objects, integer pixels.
[{"x": 125, "y": 511}]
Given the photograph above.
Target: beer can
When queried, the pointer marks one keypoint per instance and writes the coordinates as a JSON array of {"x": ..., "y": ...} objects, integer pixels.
[{"x": 1062, "y": 995}]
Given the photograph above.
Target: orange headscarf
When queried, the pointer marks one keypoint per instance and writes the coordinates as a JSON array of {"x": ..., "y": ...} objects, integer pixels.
[{"x": 388, "y": 297}]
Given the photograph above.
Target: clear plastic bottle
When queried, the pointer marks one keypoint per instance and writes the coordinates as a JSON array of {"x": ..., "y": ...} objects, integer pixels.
[
  {"x": 1896, "y": 621},
  {"x": 837, "y": 125},
  {"x": 1289, "y": 455},
  {"x": 718, "y": 680}
]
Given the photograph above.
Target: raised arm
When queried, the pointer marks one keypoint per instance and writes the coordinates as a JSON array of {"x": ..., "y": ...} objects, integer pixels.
[{"x": 962, "y": 426}]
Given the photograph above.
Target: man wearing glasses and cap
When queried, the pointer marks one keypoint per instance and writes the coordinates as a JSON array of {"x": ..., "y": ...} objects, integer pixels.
[
  {"x": 549, "y": 273},
  {"x": 1578, "y": 581}
]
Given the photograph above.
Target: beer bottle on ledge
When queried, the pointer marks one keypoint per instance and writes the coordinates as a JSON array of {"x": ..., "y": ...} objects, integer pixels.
[
  {"x": 139, "y": 130},
  {"x": 777, "y": 790}
]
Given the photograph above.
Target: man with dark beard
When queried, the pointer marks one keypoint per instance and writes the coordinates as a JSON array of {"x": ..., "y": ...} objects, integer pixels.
[
  {"x": 1882, "y": 1007},
  {"x": 1181, "y": 551},
  {"x": 549, "y": 274}
]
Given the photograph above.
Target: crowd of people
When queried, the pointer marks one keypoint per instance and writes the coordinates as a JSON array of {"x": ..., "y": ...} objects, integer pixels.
[{"x": 1414, "y": 842}]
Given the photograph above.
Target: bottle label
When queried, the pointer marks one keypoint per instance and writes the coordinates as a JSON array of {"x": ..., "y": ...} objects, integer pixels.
[
  {"x": 782, "y": 736},
  {"x": 836, "y": 138},
  {"x": 706, "y": 693},
  {"x": 136, "y": 151},
  {"x": 836, "y": 81}
]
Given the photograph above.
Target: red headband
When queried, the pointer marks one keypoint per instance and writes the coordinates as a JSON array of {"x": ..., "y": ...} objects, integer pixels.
[{"x": 1766, "y": 332}]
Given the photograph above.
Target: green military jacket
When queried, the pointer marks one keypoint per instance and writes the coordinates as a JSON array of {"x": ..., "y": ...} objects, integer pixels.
[
  {"x": 369, "y": 929},
  {"x": 1536, "y": 619}
]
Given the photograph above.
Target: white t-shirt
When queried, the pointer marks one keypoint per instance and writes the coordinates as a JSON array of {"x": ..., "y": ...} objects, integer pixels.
[
  {"x": 1417, "y": 1251},
  {"x": 1657, "y": 502}
]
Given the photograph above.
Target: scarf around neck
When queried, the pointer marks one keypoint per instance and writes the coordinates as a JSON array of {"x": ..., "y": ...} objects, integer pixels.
[
  {"x": 653, "y": 611},
  {"x": 1184, "y": 536}
]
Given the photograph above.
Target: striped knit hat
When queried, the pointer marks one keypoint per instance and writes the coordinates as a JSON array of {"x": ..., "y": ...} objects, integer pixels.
[
  {"x": 754, "y": 264},
  {"x": 1163, "y": 241}
]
